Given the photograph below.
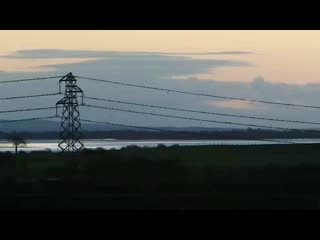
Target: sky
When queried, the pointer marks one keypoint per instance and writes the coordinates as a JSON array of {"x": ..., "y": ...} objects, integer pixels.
[
  {"x": 267, "y": 65},
  {"x": 279, "y": 56}
]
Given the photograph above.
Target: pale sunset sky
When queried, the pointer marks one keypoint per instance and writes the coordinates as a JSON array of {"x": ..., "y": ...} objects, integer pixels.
[{"x": 279, "y": 56}]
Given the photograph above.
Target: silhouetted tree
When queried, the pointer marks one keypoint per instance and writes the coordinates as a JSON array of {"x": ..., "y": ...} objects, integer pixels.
[{"x": 17, "y": 141}]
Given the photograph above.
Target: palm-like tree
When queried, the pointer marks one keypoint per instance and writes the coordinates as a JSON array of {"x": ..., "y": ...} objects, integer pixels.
[{"x": 17, "y": 141}]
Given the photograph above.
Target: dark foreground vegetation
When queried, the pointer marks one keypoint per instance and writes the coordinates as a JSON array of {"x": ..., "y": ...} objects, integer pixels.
[{"x": 199, "y": 177}]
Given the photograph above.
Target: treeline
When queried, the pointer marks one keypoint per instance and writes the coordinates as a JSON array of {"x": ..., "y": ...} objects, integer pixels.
[
  {"x": 191, "y": 135},
  {"x": 176, "y": 177}
]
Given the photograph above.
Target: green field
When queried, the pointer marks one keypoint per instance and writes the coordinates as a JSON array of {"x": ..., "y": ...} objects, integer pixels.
[{"x": 198, "y": 177}]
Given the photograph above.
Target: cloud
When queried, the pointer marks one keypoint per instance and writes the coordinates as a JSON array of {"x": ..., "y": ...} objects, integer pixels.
[
  {"x": 36, "y": 65},
  {"x": 117, "y": 63},
  {"x": 60, "y": 53},
  {"x": 222, "y": 53},
  {"x": 157, "y": 70}
]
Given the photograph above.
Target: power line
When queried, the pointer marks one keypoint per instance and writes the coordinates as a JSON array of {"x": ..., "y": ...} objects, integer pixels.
[
  {"x": 200, "y": 94},
  {"x": 203, "y": 112},
  {"x": 167, "y": 130},
  {"x": 144, "y": 128},
  {"x": 27, "y": 109},
  {"x": 27, "y": 119},
  {"x": 30, "y": 96},
  {"x": 199, "y": 119},
  {"x": 128, "y": 126},
  {"x": 30, "y": 79}
]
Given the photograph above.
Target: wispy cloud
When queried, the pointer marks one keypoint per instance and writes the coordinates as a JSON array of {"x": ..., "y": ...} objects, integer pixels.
[
  {"x": 218, "y": 53},
  {"x": 36, "y": 65},
  {"x": 152, "y": 64},
  {"x": 61, "y": 53}
]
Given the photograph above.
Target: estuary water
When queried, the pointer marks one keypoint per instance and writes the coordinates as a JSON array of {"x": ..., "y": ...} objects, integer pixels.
[{"x": 52, "y": 144}]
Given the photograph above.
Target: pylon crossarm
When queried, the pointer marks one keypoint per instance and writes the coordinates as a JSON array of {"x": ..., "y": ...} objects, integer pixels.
[{"x": 62, "y": 101}]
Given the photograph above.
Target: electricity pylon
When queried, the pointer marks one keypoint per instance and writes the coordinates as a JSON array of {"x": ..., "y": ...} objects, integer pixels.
[{"x": 70, "y": 128}]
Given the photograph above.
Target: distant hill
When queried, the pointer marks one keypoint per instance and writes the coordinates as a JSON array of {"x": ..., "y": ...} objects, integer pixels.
[
  {"x": 48, "y": 126},
  {"x": 54, "y": 126},
  {"x": 49, "y": 129}
]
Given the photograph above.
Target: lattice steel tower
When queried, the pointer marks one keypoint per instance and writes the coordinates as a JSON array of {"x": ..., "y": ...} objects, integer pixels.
[{"x": 70, "y": 128}]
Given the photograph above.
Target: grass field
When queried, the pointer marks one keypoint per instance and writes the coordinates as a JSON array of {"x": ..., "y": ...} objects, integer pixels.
[{"x": 197, "y": 177}]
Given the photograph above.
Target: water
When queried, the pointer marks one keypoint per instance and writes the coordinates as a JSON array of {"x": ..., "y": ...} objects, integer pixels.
[{"x": 38, "y": 145}]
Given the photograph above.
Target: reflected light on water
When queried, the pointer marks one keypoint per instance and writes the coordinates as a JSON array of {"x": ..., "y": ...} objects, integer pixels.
[{"x": 40, "y": 145}]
